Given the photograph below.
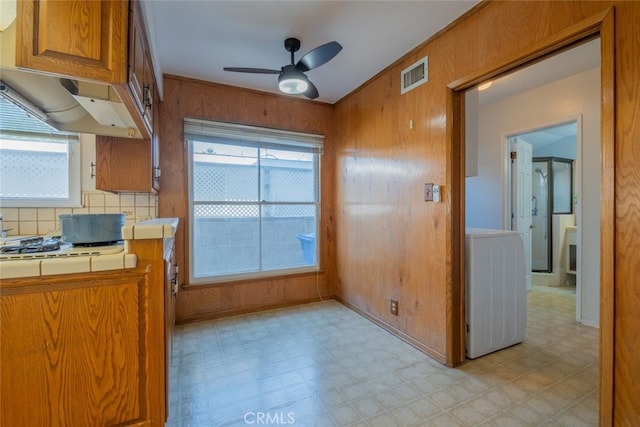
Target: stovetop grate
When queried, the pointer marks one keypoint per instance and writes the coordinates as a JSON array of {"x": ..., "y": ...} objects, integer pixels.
[{"x": 32, "y": 245}]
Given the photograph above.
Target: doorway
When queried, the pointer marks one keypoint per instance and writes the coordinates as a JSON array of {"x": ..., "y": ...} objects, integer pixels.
[
  {"x": 572, "y": 100},
  {"x": 600, "y": 26},
  {"x": 551, "y": 204}
]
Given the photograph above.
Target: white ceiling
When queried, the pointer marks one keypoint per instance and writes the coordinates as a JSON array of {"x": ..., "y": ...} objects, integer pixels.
[
  {"x": 570, "y": 62},
  {"x": 542, "y": 138},
  {"x": 198, "y": 38}
]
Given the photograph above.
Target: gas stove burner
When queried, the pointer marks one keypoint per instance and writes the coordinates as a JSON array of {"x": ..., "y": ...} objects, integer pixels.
[
  {"x": 26, "y": 241},
  {"x": 54, "y": 247},
  {"x": 32, "y": 245}
]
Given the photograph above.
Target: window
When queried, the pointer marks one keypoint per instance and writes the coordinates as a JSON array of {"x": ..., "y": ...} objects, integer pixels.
[
  {"x": 39, "y": 166},
  {"x": 254, "y": 200}
]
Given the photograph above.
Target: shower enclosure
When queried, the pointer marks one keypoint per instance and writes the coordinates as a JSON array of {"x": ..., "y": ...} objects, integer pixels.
[{"x": 552, "y": 193}]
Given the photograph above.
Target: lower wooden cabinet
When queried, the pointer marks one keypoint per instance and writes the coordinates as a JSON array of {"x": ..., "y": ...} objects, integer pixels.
[
  {"x": 157, "y": 257},
  {"x": 171, "y": 291},
  {"x": 76, "y": 351}
]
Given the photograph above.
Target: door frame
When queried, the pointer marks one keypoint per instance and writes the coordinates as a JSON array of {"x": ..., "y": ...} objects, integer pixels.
[{"x": 600, "y": 25}]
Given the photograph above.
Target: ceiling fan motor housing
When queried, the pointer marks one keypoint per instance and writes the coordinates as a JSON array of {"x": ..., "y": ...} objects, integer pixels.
[{"x": 292, "y": 45}]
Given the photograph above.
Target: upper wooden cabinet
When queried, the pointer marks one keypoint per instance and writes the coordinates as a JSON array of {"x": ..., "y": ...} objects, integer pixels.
[
  {"x": 100, "y": 41},
  {"x": 141, "y": 78},
  {"x": 126, "y": 165},
  {"x": 83, "y": 39}
]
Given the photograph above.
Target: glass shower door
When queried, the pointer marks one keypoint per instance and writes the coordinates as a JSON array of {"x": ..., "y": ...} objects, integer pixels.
[
  {"x": 552, "y": 193},
  {"x": 540, "y": 217}
]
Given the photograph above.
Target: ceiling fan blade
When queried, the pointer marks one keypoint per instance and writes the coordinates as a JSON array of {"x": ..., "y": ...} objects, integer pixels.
[
  {"x": 312, "y": 91},
  {"x": 252, "y": 70},
  {"x": 318, "y": 56}
]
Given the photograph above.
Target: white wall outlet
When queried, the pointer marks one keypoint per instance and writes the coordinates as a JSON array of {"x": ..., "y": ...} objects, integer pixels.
[{"x": 436, "y": 194}]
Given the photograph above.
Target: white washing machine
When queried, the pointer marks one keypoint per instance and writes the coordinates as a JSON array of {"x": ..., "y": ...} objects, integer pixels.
[{"x": 496, "y": 293}]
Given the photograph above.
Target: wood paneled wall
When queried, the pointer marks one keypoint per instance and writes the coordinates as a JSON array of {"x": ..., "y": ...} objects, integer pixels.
[
  {"x": 393, "y": 245},
  {"x": 185, "y": 97},
  {"x": 382, "y": 240}
]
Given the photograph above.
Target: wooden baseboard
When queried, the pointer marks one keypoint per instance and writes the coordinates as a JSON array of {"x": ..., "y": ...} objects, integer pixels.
[
  {"x": 252, "y": 309},
  {"x": 396, "y": 332}
]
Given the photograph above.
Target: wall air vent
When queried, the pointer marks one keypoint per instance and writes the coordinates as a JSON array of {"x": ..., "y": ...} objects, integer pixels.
[{"x": 414, "y": 75}]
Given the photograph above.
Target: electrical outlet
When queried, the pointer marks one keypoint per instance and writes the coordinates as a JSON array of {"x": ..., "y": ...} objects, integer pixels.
[
  {"x": 394, "y": 307},
  {"x": 428, "y": 192}
]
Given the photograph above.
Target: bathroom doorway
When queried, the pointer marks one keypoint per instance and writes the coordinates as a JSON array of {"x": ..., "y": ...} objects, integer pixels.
[{"x": 551, "y": 194}]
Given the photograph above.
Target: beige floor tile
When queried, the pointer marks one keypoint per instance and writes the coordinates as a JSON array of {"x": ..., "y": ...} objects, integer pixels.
[{"x": 324, "y": 365}]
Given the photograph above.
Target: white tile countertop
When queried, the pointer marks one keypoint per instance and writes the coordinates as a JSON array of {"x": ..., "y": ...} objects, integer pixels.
[
  {"x": 13, "y": 269},
  {"x": 157, "y": 228}
]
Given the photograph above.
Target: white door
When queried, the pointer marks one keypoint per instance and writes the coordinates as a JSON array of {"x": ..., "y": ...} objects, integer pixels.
[{"x": 521, "y": 197}]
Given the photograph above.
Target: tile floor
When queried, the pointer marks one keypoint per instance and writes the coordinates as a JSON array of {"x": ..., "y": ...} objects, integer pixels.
[{"x": 322, "y": 364}]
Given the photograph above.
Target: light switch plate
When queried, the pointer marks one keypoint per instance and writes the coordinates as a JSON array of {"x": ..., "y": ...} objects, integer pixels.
[
  {"x": 428, "y": 192},
  {"x": 436, "y": 194}
]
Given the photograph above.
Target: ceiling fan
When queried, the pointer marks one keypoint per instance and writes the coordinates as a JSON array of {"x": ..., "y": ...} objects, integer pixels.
[{"x": 291, "y": 78}]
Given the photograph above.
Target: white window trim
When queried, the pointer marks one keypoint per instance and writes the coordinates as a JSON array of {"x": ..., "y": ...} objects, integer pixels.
[{"x": 75, "y": 186}]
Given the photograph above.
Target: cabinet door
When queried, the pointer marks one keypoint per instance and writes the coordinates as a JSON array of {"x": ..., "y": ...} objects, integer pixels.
[
  {"x": 75, "y": 353},
  {"x": 170, "y": 285},
  {"x": 148, "y": 93},
  {"x": 141, "y": 77},
  {"x": 137, "y": 59},
  {"x": 124, "y": 164},
  {"x": 76, "y": 38},
  {"x": 155, "y": 144}
]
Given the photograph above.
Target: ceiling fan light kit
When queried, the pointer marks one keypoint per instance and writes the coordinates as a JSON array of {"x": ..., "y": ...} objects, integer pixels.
[
  {"x": 291, "y": 78},
  {"x": 292, "y": 82}
]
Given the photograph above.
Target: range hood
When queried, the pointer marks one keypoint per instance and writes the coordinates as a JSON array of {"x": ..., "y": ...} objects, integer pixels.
[{"x": 70, "y": 105}]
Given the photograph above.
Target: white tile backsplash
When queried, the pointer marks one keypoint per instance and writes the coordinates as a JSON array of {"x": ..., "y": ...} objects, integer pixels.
[
  {"x": 28, "y": 221},
  {"x": 112, "y": 200},
  {"x": 46, "y": 214},
  {"x": 10, "y": 214},
  {"x": 28, "y": 214}
]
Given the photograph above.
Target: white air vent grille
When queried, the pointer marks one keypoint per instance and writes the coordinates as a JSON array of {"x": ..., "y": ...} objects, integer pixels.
[{"x": 414, "y": 75}]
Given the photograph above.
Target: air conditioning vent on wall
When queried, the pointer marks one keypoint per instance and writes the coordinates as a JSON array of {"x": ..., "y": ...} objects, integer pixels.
[{"x": 414, "y": 75}]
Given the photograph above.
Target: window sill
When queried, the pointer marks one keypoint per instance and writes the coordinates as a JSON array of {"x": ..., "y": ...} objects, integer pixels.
[{"x": 244, "y": 280}]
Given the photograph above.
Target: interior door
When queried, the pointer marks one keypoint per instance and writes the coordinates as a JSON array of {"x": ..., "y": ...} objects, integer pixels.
[{"x": 521, "y": 171}]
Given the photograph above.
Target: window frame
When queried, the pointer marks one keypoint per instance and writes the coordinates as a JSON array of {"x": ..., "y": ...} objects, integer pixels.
[
  {"x": 261, "y": 138},
  {"x": 74, "y": 166}
]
